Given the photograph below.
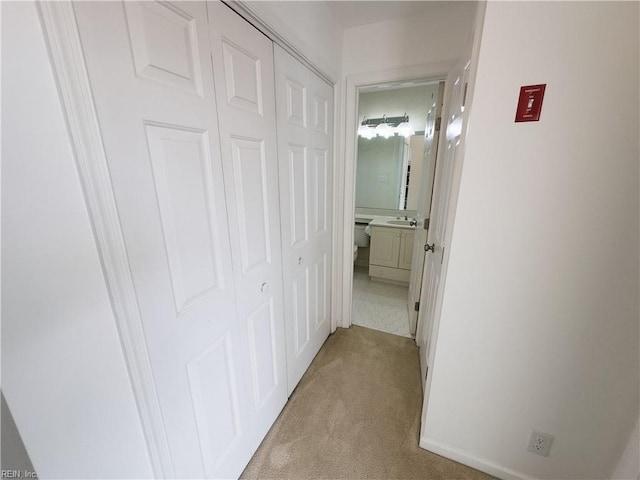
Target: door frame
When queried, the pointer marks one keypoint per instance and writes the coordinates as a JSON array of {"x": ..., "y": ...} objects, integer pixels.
[
  {"x": 473, "y": 49},
  {"x": 61, "y": 34},
  {"x": 347, "y": 170}
]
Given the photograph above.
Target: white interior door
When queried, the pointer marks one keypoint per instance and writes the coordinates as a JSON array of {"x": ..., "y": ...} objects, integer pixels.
[
  {"x": 432, "y": 135},
  {"x": 150, "y": 72},
  {"x": 244, "y": 79},
  {"x": 457, "y": 80},
  {"x": 305, "y": 110}
]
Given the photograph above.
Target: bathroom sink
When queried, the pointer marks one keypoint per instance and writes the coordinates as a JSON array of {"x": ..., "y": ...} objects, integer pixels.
[{"x": 399, "y": 222}]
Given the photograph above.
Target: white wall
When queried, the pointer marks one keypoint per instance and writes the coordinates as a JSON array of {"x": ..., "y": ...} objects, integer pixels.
[
  {"x": 540, "y": 315},
  {"x": 63, "y": 371},
  {"x": 414, "y": 101},
  {"x": 310, "y": 25},
  {"x": 439, "y": 33}
]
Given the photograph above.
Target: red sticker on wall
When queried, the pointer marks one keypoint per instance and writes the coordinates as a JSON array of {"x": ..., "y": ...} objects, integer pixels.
[{"x": 530, "y": 103}]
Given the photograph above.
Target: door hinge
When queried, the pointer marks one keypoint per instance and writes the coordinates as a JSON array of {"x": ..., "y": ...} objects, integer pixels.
[
  {"x": 416, "y": 306},
  {"x": 438, "y": 123},
  {"x": 426, "y": 224}
]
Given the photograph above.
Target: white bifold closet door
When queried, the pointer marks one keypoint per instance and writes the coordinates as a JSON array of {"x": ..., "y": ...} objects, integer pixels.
[
  {"x": 244, "y": 79},
  {"x": 305, "y": 125},
  {"x": 227, "y": 229},
  {"x": 206, "y": 263}
]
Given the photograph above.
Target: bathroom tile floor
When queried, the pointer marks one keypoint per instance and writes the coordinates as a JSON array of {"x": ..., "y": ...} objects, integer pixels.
[{"x": 378, "y": 305}]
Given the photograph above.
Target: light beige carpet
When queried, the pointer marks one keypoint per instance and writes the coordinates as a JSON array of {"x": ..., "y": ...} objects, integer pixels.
[{"x": 354, "y": 415}]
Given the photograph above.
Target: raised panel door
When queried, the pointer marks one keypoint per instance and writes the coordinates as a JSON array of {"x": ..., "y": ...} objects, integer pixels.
[
  {"x": 149, "y": 69},
  {"x": 431, "y": 140},
  {"x": 304, "y": 116},
  {"x": 244, "y": 84},
  {"x": 448, "y": 156}
]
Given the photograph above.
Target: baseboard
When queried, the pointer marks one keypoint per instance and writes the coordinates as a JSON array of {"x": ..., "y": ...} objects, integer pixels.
[{"x": 470, "y": 460}]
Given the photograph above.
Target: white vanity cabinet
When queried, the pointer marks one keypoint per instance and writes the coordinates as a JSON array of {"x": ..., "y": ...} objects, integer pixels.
[{"x": 390, "y": 254}]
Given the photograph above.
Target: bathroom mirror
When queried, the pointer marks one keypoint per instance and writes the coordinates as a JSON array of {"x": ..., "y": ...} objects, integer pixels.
[
  {"x": 383, "y": 173},
  {"x": 386, "y": 166}
]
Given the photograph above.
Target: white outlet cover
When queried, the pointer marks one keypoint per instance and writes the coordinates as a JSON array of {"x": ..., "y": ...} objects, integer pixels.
[{"x": 540, "y": 443}]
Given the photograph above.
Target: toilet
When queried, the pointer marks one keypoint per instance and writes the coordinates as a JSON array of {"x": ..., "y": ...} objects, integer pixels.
[{"x": 360, "y": 238}]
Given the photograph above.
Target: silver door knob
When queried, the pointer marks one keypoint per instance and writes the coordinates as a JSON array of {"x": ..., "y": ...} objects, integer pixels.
[
  {"x": 428, "y": 247},
  {"x": 413, "y": 223},
  {"x": 264, "y": 288}
]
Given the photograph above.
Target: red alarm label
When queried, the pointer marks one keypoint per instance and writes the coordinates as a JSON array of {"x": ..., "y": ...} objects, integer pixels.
[{"x": 530, "y": 103}]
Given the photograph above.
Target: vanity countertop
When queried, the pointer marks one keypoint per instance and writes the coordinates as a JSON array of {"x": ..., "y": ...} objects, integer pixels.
[
  {"x": 364, "y": 218},
  {"x": 391, "y": 222}
]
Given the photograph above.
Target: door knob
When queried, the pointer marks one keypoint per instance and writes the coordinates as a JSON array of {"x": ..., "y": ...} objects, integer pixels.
[
  {"x": 264, "y": 288},
  {"x": 413, "y": 222},
  {"x": 428, "y": 247},
  {"x": 300, "y": 261}
]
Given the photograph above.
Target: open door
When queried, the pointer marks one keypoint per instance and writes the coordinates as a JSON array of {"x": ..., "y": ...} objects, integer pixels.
[
  {"x": 438, "y": 227},
  {"x": 431, "y": 140}
]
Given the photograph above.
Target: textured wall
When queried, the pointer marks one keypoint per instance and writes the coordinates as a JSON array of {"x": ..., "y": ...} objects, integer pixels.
[{"x": 539, "y": 326}]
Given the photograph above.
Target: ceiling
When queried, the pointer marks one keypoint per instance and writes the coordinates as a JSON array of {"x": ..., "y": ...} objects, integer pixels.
[
  {"x": 395, "y": 85},
  {"x": 353, "y": 13}
]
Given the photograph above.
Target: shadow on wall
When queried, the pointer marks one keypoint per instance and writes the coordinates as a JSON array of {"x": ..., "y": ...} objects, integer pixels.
[{"x": 14, "y": 458}]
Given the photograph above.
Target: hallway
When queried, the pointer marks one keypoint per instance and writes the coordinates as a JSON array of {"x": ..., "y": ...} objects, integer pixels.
[{"x": 355, "y": 414}]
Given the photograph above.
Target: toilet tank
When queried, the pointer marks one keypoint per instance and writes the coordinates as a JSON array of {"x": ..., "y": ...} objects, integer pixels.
[{"x": 360, "y": 238}]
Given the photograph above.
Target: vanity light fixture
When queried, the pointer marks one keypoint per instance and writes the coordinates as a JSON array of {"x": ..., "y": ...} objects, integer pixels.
[
  {"x": 385, "y": 130},
  {"x": 405, "y": 129},
  {"x": 366, "y": 131},
  {"x": 385, "y": 127}
]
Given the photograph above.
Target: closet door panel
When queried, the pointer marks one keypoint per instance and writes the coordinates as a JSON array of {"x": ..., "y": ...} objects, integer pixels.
[
  {"x": 149, "y": 69},
  {"x": 180, "y": 161},
  {"x": 251, "y": 198},
  {"x": 321, "y": 190},
  {"x": 263, "y": 334},
  {"x": 164, "y": 44},
  {"x": 321, "y": 294},
  {"x": 304, "y": 108},
  {"x": 244, "y": 80},
  {"x": 296, "y": 103},
  {"x": 298, "y": 199}
]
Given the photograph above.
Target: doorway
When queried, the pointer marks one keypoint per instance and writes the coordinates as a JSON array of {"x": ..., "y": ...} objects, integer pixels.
[
  {"x": 346, "y": 173},
  {"x": 394, "y": 165}
]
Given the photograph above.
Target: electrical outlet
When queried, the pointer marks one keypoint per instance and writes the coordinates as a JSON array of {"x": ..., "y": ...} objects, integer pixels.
[{"x": 540, "y": 443}]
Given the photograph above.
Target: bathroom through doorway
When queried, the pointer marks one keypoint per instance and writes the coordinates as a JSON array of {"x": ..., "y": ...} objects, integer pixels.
[{"x": 395, "y": 161}]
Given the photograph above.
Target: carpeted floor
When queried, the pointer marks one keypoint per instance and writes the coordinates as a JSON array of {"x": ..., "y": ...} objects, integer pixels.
[{"x": 354, "y": 415}]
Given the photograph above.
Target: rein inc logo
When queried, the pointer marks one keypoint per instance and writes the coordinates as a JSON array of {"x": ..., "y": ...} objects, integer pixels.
[{"x": 18, "y": 474}]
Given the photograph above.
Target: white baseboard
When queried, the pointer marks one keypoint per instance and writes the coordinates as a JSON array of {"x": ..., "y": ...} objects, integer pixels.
[{"x": 470, "y": 460}]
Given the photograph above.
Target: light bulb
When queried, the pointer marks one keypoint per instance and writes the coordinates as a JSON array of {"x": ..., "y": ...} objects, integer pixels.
[
  {"x": 405, "y": 129},
  {"x": 385, "y": 130},
  {"x": 366, "y": 131}
]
